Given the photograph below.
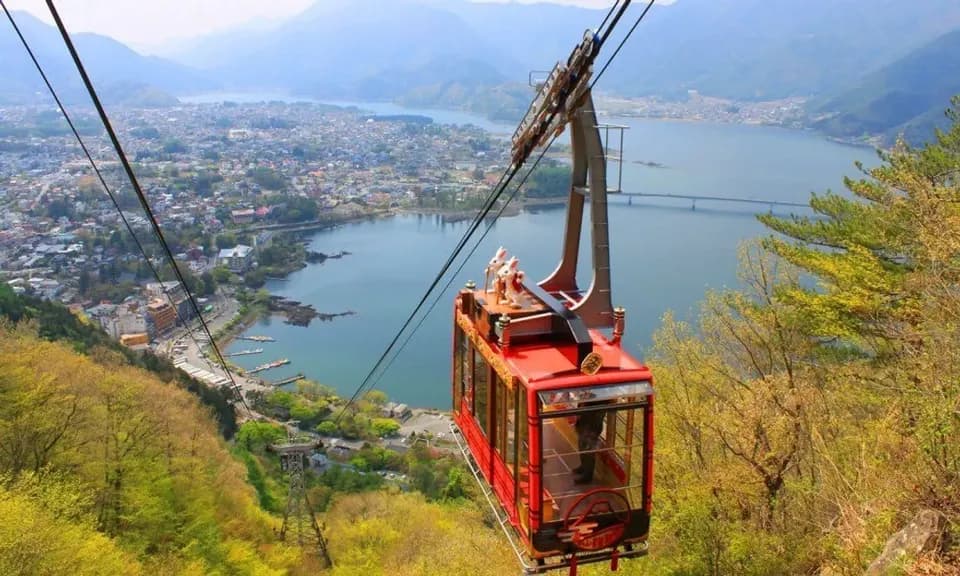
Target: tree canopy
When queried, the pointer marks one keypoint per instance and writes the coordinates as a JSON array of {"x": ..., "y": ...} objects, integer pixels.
[{"x": 806, "y": 417}]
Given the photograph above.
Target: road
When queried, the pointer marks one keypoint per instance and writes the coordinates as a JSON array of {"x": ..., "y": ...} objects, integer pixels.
[{"x": 225, "y": 310}]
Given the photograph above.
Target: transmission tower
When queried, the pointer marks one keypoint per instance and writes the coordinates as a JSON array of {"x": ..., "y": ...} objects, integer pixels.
[{"x": 299, "y": 520}]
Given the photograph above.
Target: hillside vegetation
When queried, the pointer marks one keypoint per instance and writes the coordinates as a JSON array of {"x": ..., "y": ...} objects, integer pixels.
[
  {"x": 104, "y": 469},
  {"x": 108, "y": 469},
  {"x": 54, "y": 322},
  {"x": 802, "y": 424}
]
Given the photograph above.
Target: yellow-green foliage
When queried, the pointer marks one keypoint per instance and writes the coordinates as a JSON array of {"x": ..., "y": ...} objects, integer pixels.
[
  {"x": 37, "y": 540},
  {"x": 100, "y": 461},
  {"x": 404, "y": 535},
  {"x": 800, "y": 426}
]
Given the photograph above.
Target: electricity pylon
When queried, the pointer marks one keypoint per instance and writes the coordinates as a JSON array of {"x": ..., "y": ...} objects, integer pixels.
[{"x": 298, "y": 517}]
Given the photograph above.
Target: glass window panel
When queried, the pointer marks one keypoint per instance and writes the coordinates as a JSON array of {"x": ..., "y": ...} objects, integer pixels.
[
  {"x": 500, "y": 414},
  {"x": 627, "y": 392},
  {"x": 467, "y": 372},
  {"x": 458, "y": 380},
  {"x": 480, "y": 392},
  {"x": 523, "y": 451},
  {"x": 601, "y": 447},
  {"x": 510, "y": 427}
]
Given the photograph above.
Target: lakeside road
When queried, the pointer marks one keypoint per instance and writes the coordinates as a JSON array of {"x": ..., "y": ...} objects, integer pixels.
[{"x": 225, "y": 310}]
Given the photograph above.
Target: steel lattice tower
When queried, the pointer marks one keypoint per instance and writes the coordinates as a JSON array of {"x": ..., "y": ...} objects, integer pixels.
[{"x": 298, "y": 518}]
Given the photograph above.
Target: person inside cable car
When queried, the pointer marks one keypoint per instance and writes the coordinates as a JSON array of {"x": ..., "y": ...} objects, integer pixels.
[{"x": 589, "y": 426}]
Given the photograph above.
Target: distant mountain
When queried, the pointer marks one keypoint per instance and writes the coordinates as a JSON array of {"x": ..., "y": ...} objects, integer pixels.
[
  {"x": 342, "y": 49},
  {"x": 748, "y": 49},
  {"x": 907, "y": 96},
  {"x": 118, "y": 73},
  {"x": 457, "y": 53},
  {"x": 768, "y": 49}
]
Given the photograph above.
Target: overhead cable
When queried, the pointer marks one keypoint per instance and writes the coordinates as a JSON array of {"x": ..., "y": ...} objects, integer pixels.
[
  {"x": 96, "y": 170},
  {"x": 139, "y": 192},
  {"x": 498, "y": 191}
]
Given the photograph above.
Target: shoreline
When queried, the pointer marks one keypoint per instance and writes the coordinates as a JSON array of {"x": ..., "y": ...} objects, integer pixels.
[{"x": 611, "y": 101}]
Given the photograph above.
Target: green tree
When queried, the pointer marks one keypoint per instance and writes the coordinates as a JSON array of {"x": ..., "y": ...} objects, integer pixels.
[
  {"x": 226, "y": 240},
  {"x": 327, "y": 428},
  {"x": 209, "y": 283},
  {"x": 222, "y": 275},
  {"x": 548, "y": 182},
  {"x": 801, "y": 423},
  {"x": 256, "y": 436},
  {"x": 384, "y": 427}
]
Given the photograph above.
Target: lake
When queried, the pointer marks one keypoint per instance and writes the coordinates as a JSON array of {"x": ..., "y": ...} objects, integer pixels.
[{"x": 665, "y": 256}]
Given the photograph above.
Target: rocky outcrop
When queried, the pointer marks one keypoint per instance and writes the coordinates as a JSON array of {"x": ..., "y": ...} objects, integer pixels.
[
  {"x": 299, "y": 314},
  {"x": 924, "y": 533}
]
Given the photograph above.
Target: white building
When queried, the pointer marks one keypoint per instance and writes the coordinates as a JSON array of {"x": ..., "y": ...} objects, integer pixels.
[{"x": 238, "y": 259}]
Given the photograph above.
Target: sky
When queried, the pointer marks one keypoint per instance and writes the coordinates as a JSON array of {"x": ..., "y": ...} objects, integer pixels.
[{"x": 155, "y": 26}]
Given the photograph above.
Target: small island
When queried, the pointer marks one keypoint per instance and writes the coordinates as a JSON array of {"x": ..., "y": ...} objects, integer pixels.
[
  {"x": 649, "y": 164},
  {"x": 298, "y": 314}
]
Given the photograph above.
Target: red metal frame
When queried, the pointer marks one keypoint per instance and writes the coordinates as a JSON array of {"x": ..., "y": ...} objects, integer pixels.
[{"x": 527, "y": 372}]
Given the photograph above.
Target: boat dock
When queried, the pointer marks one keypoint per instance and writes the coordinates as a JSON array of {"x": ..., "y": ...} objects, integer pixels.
[
  {"x": 256, "y": 338},
  {"x": 244, "y": 352},
  {"x": 268, "y": 366},
  {"x": 289, "y": 380}
]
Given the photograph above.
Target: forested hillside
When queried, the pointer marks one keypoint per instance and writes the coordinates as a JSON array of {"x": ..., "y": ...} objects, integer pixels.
[
  {"x": 54, "y": 322},
  {"x": 107, "y": 468},
  {"x": 801, "y": 425},
  {"x": 104, "y": 469}
]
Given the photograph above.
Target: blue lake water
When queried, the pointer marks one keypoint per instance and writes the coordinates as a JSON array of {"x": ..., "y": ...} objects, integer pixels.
[{"x": 664, "y": 255}]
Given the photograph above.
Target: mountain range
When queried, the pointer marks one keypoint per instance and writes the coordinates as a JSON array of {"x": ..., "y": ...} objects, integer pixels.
[
  {"x": 119, "y": 73},
  {"x": 477, "y": 55},
  {"x": 905, "y": 97}
]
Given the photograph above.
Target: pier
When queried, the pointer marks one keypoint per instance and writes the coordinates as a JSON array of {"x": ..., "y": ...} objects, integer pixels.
[
  {"x": 268, "y": 366},
  {"x": 256, "y": 338},
  {"x": 244, "y": 352},
  {"x": 289, "y": 380}
]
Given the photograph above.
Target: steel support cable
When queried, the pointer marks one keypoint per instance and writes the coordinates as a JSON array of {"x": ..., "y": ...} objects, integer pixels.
[
  {"x": 609, "y": 14},
  {"x": 509, "y": 199},
  {"x": 513, "y": 195},
  {"x": 512, "y": 172},
  {"x": 463, "y": 263},
  {"x": 622, "y": 43},
  {"x": 487, "y": 205},
  {"x": 613, "y": 24},
  {"x": 139, "y": 192},
  {"x": 93, "y": 164},
  {"x": 475, "y": 224}
]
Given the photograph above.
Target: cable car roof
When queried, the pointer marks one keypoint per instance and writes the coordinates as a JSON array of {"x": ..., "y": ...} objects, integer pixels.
[{"x": 550, "y": 365}]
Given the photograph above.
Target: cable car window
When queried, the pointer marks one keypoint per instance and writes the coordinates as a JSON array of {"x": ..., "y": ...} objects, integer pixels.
[
  {"x": 499, "y": 414},
  {"x": 523, "y": 456},
  {"x": 568, "y": 399},
  {"x": 510, "y": 428},
  {"x": 598, "y": 446},
  {"x": 628, "y": 445},
  {"x": 461, "y": 369},
  {"x": 459, "y": 350},
  {"x": 480, "y": 390},
  {"x": 467, "y": 374},
  {"x": 506, "y": 424}
]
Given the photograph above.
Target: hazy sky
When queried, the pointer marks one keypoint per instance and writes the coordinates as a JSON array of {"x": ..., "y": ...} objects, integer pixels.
[{"x": 149, "y": 25}]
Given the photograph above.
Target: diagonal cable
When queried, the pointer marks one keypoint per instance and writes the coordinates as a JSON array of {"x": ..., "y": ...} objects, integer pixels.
[
  {"x": 96, "y": 169},
  {"x": 139, "y": 192}
]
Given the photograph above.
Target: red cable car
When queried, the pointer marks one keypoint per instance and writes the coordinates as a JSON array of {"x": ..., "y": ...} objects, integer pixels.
[{"x": 554, "y": 418}]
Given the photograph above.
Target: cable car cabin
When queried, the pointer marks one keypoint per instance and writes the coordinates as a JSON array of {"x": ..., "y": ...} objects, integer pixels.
[{"x": 556, "y": 421}]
